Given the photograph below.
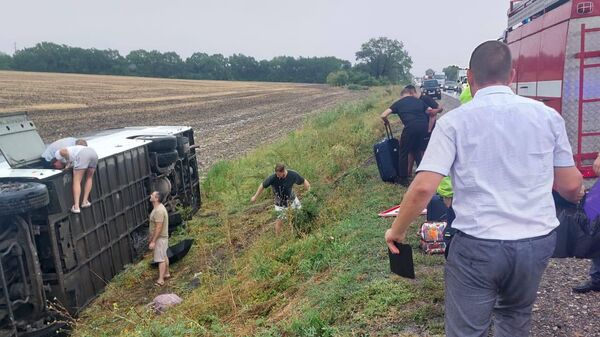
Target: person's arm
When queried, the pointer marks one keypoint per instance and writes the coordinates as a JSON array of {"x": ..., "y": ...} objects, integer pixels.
[
  {"x": 596, "y": 165},
  {"x": 434, "y": 107},
  {"x": 568, "y": 182},
  {"x": 432, "y": 112},
  {"x": 258, "y": 192},
  {"x": 157, "y": 230},
  {"x": 415, "y": 200},
  {"x": 64, "y": 154},
  {"x": 385, "y": 114},
  {"x": 306, "y": 185},
  {"x": 439, "y": 158}
]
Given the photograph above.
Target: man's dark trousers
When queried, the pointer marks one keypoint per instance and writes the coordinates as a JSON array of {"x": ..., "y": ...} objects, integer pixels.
[
  {"x": 411, "y": 141},
  {"x": 491, "y": 276}
]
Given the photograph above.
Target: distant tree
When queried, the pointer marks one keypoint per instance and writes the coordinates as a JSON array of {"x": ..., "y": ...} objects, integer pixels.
[
  {"x": 386, "y": 59},
  {"x": 282, "y": 69},
  {"x": 52, "y": 57},
  {"x": 429, "y": 72},
  {"x": 5, "y": 61},
  {"x": 46, "y": 56},
  {"x": 244, "y": 68},
  {"x": 451, "y": 72},
  {"x": 155, "y": 63},
  {"x": 208, "y": 67},
  {"x": 338, "y": 78}
]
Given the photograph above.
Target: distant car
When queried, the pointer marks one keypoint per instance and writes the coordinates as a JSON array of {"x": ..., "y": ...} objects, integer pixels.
[
  {"x": 432, "y": 88},
  {"x": 451, "y": 86}
]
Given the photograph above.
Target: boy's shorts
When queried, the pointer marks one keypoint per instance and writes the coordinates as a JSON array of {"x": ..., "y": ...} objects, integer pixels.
[{"x": 282, "y": 211}]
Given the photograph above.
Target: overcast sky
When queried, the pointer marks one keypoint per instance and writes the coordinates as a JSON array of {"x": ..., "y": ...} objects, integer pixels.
[{"x": 436, "y": 33}]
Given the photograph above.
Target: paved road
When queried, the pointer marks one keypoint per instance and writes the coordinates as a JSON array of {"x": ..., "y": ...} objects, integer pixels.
[{"x": 449, "y": 101}]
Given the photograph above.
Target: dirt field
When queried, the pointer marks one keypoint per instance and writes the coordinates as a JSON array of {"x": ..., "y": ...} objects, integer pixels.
[{"x": 229, "y": 118}]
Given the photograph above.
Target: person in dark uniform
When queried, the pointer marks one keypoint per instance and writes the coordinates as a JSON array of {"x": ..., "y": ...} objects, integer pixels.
[
  {"x": 434, "y": 109},
  {"x": 413, "y": 114},
  {"x": 282, "y": 183}
]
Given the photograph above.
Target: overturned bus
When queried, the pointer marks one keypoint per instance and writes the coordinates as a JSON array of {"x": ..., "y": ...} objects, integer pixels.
[{"x": 47, "y": 253}]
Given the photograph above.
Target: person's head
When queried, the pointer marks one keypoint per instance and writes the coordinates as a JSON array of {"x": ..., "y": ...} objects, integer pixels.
[
  {"x": 409, "y": 90},
  {"x": 81, "y": 141},
  {"x": 57, "y": 164},
  {"x": 412, "y": 90},
  {"x": 156, "y": 197},
  {"x": 280, "y": 171},
  {"x": 491, "y": 64}
]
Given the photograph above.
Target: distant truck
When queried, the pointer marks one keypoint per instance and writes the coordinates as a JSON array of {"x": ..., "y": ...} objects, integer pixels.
[
  {"x": 555, "y": 46},
  {"x": 441, "y": 79},
  {"x": 48, "y": 253}
]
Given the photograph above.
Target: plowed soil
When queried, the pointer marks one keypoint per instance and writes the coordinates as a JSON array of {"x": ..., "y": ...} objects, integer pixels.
[{"x": 229, "y": 118}]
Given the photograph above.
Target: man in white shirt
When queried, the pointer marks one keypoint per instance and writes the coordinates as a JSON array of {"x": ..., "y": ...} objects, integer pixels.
[
  {"x": 503, "y": 153},
  {"x": 49, "y": 153}
]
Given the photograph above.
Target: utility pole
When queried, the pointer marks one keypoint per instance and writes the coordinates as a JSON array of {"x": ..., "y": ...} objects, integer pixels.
[{"x": 15, "y": 44}]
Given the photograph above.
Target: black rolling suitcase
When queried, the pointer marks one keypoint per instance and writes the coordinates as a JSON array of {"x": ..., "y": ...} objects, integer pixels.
[{"x": 387, "y": 156}]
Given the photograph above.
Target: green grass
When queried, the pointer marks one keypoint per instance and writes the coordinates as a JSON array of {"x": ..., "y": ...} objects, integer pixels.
[{"x": 327, "y": 275}]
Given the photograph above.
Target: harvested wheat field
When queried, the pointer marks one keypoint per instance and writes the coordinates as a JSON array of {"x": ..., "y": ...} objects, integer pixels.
[{"x": 228, "y": 117}]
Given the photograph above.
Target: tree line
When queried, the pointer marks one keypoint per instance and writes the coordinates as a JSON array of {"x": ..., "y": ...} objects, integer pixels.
[{"x": 380, "y": 61}]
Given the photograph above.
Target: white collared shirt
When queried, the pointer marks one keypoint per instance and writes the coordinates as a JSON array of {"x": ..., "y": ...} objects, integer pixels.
[
  {"x": 50, "y": 152},
  {"x": 500, "y": 150}
]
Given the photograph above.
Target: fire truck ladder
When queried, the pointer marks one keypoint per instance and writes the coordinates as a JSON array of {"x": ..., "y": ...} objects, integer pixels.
[
  {"x": 521, "y": 10},
  {"x": 586, "y": 170}
]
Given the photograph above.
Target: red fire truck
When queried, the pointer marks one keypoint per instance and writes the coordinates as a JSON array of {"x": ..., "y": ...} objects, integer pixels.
[{"x": 556, "y": 51}]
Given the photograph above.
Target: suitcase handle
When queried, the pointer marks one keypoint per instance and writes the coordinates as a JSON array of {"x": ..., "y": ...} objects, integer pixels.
[{"x": 388, "y": 131}]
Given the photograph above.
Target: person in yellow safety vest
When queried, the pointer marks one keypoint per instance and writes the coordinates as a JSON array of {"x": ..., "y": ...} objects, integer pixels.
[
  {"x": 445, "y": 188},
  {"x": 465, "y": 95}
]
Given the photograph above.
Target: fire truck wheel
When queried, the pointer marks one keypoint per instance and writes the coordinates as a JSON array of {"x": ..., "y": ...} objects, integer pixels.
[{"x": 22, "y": 197}]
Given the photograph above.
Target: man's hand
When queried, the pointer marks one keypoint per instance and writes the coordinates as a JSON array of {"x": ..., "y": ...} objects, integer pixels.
[
  {"x": 385, "y": 120},
  {"x": 596, "y": 165},
  {"x": 151, "y": 245},
  {"x": 581, "y": 193},
  {"x": 253, "y": 199},
  {"x": 391, "y": 238}
]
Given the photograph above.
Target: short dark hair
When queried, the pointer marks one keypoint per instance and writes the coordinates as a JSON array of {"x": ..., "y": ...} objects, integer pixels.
[
  {"x": 491, "y": 62},
  {"x": 159, "y": 196},
  {"x": 279, "y": 168},
  {"x": 81, "y": 141},
  {"x": 409, "y": 89}
]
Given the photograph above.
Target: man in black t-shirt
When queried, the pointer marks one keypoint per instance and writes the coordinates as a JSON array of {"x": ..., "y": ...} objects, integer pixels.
[
  {"x": 433, "y": 111},
  {"x": 282, "y": 183},
  {"x": 413, "y": 114}
]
